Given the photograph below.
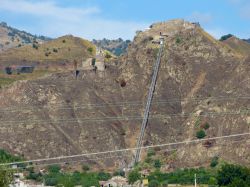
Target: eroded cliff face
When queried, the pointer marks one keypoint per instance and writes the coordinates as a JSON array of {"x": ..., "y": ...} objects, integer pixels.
[{"x": 201, "y": 81}]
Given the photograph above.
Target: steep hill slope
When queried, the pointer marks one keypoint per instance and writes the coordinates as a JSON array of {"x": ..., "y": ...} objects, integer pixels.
[
  {"x": 201, "y": 81},
  {"x": 61, "y": 50},
  {"x": 14, "y": 38},
  {"x": 238, "y": 45},
  {"x": 58, "y": 54}
]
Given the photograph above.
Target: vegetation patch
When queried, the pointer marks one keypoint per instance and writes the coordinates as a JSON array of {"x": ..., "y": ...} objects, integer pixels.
[
  {"x": 35, "y": 45},
  {"x": 6, "y": 80},
  {"x": 134, "y": 176},
  {"x": 214, "y": 161},
  {"x": 178, "y": 40},
  {"x": 55, "y": 177},
  {"x": 90, "y": 49},
  {"x": 225, "y": 37},
  {"x": 182, "y": 176},
  {"x": 200, "y": 134},
  {"x": 206, "y": 126},
  {"x": 6, "y": 157}
]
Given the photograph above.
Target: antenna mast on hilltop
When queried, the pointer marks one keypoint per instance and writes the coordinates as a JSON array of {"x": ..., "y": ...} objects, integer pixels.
[{"x": 149, "y": 101}]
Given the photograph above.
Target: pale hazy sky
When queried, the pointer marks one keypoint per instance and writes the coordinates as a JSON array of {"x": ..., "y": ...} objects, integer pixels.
[{"x": 121, "y": 18}]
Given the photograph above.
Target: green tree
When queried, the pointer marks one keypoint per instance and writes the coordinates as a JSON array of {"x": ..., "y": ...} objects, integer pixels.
[
  {"x": 133, "y": 176},
  {"x": 225, "y": 37},
  {"x": 119, "y": 173},
  {"x": 157, "y": 164},
  {"x": 201, "y": 134},
  {"x": 214, "y": 161},
  {"x": 6, "y": 157},
  {"x": 229, "y": 173},
  {"x": 54, "y": 169},
  {"x": 212, "y": 181},
  {"x": 66, "y": 181},
  {"x": 238, "y": 183},
  {"x": 103, "y": 176},
  {"x": 34, "y": 176},
  {"x": 89, "y": 179},
  {"x": 206, "y": 126},
  {"x": 164, "y": 184},
  {"x": 51, "y": 181},
  {"x": 154, "y": 183},
  {"x": 6, "y": 177}
]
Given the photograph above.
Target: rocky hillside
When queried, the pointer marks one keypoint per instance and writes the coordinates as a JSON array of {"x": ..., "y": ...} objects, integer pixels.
[
  {"x": 60, "y": 51},
  {"x": 54, "y": 55},
  {"x": 203, "y": 85},
  {"x": 117, "y": 47},
  {"x": 14, "y": 38},
  {"x": 238, "y": 45}
]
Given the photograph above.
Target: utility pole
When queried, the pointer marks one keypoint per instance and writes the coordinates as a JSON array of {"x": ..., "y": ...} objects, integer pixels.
[
  {"x": 195, "y": 181},
  {"x": 148, "y": 104}
]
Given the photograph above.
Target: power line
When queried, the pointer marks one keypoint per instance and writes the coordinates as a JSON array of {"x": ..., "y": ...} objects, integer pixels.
[
  {"x": 62, "y": 162},
  {"x": 84, "y": 160},
  {"x": 132, "y": 103},
  {"x": 128, "y": 118},
  {"x": 125, "y": 150}
]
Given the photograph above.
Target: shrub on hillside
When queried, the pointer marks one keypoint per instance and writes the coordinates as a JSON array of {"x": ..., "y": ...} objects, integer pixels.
[
  {"x": 119, "y": 173},
  {"x": 151, "y": 152},
  {"x": 225, "y": 37},
  {"x": 54, "y": 169},
  {"x": 214, "y": 161},
  {"x": 85, "y": 168},
  {"x": 6, "y": 157},
  {"x": 206, "y": 126},
  {"x": 90, "y": 49},
  {"x": 212, "y": 182},
  {"x": 178, "y": 40},
  {"x": 50, "y": 181},
  {"x": 35, "y": 46},
  {"x": 133, "y": 176},
  {"x": 34, "y": 176},
  {"x": 200, "y": 134},
  {"x": 157, "y": 164},
  {"x": 102, "y": 176}
]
